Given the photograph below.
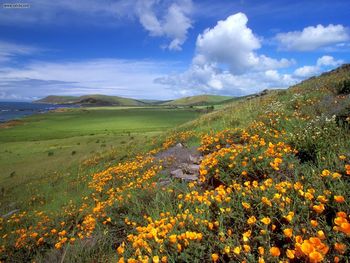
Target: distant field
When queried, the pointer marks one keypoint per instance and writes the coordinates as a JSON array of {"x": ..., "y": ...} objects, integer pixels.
[
  {"x": 91, "y": 121},
  {"x": 42, "y": 156}
]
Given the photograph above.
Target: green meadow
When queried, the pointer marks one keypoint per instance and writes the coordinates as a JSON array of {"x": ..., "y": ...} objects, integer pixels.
[
  {"x": 44, "y": 158},
  {"x": 272, "y": 185}
]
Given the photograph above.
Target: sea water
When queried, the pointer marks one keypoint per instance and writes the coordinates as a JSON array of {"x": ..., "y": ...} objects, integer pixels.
[{"x": 17, "y": 110}]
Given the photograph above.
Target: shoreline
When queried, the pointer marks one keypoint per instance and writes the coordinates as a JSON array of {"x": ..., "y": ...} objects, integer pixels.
[{"x": 13, "y": 113}]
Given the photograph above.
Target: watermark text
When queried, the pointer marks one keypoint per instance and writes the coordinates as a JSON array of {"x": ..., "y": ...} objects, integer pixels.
[{"x": 15, "y": 5}]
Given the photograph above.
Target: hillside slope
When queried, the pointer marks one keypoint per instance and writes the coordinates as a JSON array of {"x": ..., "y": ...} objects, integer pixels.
[
  {"x": 272, "y": 185},
  {"x": 94, "y": 99},
  {"x": 198, "y": 100}
]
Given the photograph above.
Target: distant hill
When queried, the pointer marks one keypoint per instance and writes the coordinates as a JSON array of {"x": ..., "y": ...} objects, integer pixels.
[
  {"x": 92, "y": 100},
  {"x": 199, "y": 100}
]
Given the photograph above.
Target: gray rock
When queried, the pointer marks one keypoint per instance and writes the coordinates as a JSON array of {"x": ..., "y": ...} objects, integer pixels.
[
  {"x": 187, "y": 177},
  {"x": 177, "y": 172},
  {"x": 164, "y": 182},
  {"x": 10, "y": 213},
  {"x": 190, "y": 168},
  {"x": 195, "y": 159}
]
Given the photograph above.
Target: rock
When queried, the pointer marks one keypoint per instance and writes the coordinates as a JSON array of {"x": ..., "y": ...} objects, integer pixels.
[
  {"x": 179, "y": 145},
  {"x": 176, "y": 173},
  {"x": 187, "y": 177},
  {"x": 190, "y": 168},
  {"x": 195, "y": 159},
  {"x": 10, "y": 213},
  {"x": 164, "y": 182}
]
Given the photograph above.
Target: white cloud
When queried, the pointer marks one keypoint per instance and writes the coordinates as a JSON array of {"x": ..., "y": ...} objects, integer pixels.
[
  {"x": 312, "y": 38},
  {"x": 10, "y": 50},
  {"x": 322, "y": 64},
  {"x": 227, "y": 62},
  {"x": 306, "y": 71},
  {"x": 161, "y": 18},
  {"x": 232, "y": 43},
  {"x": 328, "y": 61},
  {"x": 174, "y": 23},
  {"x": 104, "y": 76}
]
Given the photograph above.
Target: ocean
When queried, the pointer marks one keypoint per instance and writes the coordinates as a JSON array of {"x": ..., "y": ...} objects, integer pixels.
[{"x": 17, "y": 110}]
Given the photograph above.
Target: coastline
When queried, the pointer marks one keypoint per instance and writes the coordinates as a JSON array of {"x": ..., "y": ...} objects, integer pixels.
[{"x": 15, "y": 112}]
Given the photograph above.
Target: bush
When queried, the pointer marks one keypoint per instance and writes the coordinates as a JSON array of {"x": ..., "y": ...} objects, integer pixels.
[{"x": 343, "y": 87}]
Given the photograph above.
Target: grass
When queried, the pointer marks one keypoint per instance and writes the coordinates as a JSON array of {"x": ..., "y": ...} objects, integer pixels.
[
  {"x": 273, "y": 186},
  {"x": 91, "y": 121},
  {"x": 42, "y": 157},
  {"x": 199, "y": 100}
]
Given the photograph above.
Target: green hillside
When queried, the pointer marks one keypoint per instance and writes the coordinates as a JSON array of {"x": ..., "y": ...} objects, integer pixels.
[
  {"x": 94, "y": 99},
  {"x": 198, "y": 100},
  {"x": 52, "y": 99},
  {"x": 269, "y": 183}
]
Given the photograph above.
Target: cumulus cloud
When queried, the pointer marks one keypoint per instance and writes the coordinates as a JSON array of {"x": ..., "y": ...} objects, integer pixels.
[
  {"x": 313, "y": 37},
  {"x": 328, "y": 61},
  {"x": 306, "y": 71},
  {"x": 227, "y": 62},
  {"x": 174, "y": 23},
  {"x": 231, "y": 42},
  {"x": 322, "y": 64}
]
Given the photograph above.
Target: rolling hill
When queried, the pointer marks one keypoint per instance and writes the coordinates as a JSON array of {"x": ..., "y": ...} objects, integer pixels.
[
  {"x": 198, "y": 100},
  {"x": 266, "y": 179},
  {"x": 94, "y": 100},
  {"x": 104, "y": 100}
]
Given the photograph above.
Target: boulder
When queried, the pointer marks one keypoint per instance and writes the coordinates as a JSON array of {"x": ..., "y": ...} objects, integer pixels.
[
  {"x": 195, "y": 159},
  {"x": 176, "y": 173},
  {"x": 190, "y": 168},
  {"x": 187, "y": 177}
]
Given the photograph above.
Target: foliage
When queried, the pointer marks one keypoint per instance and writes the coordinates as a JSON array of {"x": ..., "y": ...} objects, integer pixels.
[{"x": 273, "y": 188}]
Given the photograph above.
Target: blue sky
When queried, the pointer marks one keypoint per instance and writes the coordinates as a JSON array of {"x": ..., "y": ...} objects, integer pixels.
[{"x": 163, "y": 49}]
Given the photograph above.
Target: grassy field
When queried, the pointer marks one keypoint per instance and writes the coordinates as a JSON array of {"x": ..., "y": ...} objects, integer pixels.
[
  {"x": 273, "y": 186},
  {"x": 41, "y": 158}
]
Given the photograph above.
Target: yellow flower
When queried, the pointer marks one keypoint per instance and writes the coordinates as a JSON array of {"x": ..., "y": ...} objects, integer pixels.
[
  {"x": 339, "y": 198},
  {"x": 215, "y": 257},
  {"x": 266, "y": 220},
  {"x": 340, "y": 247},
  {"x": 120, "y": 249},
  {"x": 251, "y": 220},
  {"x": 261, "y": 250},
  {"x": 275, "y": 251},
  {"x": 307, "y": 248},
  {"x": 336, "y": 175},
  {"x": 246, "y": 248},
  {"x": 58, "y": 245},
  {"x": 155, "y": 259},
  {"x": 173, "y": 239},
  {"x": 246, "y": 205},
  {"x": 227, "y": 249},
  {"x": 314, "y": 223},
  {"x": 325, "y": 173},
  {"x": 237, "y": 250},
  {"x": 290, "y": 253},
  {"x": 342, "y": 157},
  {"x": 288, "y": 232},
  {"x": 318, "y": 208},
  {"x": 320, "y": 234},
  {"x": 289, "y": 217},
  {"x": 315, "y": 256}
]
